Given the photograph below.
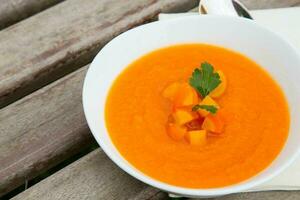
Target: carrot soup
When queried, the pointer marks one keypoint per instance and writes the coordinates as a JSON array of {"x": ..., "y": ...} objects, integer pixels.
[{"x": 197, "y": 116}]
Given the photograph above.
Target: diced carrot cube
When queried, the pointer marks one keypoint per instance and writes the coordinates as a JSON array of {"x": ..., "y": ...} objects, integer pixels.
[
  {"x": 182, "y": 116},
  {"x": 196, "y": 137},
  {"x": 218, "y": 91},
  {"x": 170, "y": 91},
  {"x": 176, "y": 131},
  {"x": 214, "y": 123},
  {"x": 207, "y": 101},
  {"x": 185, "y": 96}
]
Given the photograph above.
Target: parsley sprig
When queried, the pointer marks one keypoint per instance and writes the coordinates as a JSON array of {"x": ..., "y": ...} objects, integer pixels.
[{"x": 205, "y": 80}]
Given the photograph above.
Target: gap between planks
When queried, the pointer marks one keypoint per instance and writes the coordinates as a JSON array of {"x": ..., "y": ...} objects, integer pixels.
[
  {"x": 42, "y": 130},
  {"x": 13, "y": 11}
]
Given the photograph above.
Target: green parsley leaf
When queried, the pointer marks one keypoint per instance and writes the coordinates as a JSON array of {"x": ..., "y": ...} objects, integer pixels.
[
  {"x": 209, "y": 108},
  {"x": 204, "y": 80}
]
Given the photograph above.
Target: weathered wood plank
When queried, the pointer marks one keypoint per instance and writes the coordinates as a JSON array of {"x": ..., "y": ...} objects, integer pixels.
[
  {"x": 96, "y": 177},
  {"x": 12, "y": 11},
  {"x": 266, "y": 4},
  {"x": 58, "y": 40},
  {"x": 41, "y": 130},
  {"x": 92, "y": 177}
]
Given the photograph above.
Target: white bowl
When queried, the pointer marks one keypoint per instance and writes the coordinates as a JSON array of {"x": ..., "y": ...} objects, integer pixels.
[{"x": 266, "y": 48}]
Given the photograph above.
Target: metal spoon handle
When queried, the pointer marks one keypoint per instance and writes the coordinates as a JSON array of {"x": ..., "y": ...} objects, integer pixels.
[{"x": 224, "y": 7}]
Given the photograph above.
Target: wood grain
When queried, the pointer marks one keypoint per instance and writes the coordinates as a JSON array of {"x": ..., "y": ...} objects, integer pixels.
[
  {"x": 12, "y": 11},
  {"x": 92, "y": 177},
  {"x": 41, "y": 130},
  {"x": 96, "y": 177},
  {"x": 63, "y": 38}
]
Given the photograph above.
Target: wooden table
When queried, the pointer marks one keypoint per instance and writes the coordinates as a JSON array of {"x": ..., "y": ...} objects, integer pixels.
[{"x": 45, "y": 49}]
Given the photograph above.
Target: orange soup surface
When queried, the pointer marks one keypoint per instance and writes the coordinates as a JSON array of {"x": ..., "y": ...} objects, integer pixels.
[{"x": 255, "y": 111}]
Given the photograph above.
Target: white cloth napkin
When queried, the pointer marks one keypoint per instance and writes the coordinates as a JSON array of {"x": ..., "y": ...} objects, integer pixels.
[{"x": 285, "y": 21}]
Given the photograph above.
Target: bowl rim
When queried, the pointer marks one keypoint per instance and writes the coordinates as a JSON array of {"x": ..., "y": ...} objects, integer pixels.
[{"x": 188, "y": 192}]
